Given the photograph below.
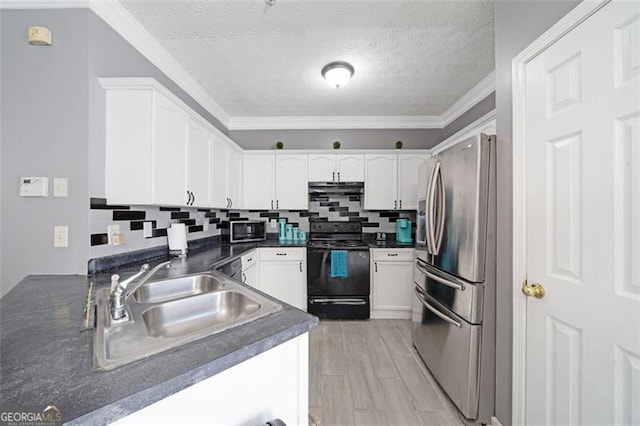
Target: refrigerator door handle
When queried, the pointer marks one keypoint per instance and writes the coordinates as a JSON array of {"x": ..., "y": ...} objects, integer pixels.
[
  {"x": 431, "y": 210},
  {"x": 435, "y": 311},
  {"x": 437, "y": 278},
  {"x": 442, "y": 206}
]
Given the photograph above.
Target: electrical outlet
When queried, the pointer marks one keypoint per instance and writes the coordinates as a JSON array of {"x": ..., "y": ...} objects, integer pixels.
[
  {"x": 147, "y": 229},
  {"x": 273, "y": 224},
  {"x": 61, "y": 236},
  {"x": 60, "y": 187},
  {"x": 112, "y": 231}
]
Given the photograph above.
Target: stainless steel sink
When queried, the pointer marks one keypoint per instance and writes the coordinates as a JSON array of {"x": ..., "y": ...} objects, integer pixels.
[
  {"x": 188, "y": 316},
  {"x": 176, "y": 288},
  {"x": 188, "y": 309}
]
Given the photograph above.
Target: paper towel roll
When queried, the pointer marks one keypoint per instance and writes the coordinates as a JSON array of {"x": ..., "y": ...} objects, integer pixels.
[{"x": 177, "y": 236}]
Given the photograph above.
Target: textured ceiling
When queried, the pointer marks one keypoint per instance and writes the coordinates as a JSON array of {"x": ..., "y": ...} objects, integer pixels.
[{"x": 410, "y": 57}]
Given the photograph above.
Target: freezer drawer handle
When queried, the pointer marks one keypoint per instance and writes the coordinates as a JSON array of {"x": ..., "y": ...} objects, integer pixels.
[
  {"x": 435, "y": 311},
  {"x": 437, "y": 278},
  {"x": 339, "y": 302}
]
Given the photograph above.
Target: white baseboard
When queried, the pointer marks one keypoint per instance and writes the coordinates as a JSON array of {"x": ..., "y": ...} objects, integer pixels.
[{"x": 390, "y": 315}]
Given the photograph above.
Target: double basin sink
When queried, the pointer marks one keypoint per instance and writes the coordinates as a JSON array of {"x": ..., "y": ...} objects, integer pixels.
[{"x": 168, "y": 313}]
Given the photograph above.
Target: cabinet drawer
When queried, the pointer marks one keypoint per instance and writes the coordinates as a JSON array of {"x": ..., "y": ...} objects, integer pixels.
[
  {"x": 392, "y": 255},
  {"x": 289, "y": 253},
  {"x": 249, "y": 259}
]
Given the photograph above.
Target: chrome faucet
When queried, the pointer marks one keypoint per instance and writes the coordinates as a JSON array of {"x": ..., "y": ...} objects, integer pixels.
[{"x": 120, "y": 292}]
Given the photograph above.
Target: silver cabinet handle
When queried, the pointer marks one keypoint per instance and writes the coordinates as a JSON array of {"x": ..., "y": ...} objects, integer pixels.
[
  {"x": 244, "y": 278},
  {"x": 400, "y": 204},
  {"x": 300, "y": 266},
  {"x": 375, "y": 266},
  {"x": 395, "y": 204},
  {"x": 277, "y": 204},
  {"x": 392, "y": 254},
  {"x": 281, "y": 254},
  {"x": 437, "y": 278},
  {"x": 271, "y": 204},
  {"x": 188, "y": 197},
  {"x": 230, "y": 202},
  {"x": 435, "y": 311},
  {"x": 338, "y": 176},
  {"x": 193, "y": 198},
  {"x": 334, "y": 176}
]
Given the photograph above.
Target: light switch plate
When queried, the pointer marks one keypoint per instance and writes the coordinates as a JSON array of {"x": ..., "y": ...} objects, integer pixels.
[
  {"x": 60, "y": 187},
  {"x": 205, "y": 224},
  {"x": 112, "y": 231},
  {"x": 147, "y": 229},
  {"x": 61, "y": 236}
]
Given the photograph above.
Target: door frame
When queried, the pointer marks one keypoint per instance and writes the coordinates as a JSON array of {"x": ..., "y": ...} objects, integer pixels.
[{"x": 518, "y": 73}]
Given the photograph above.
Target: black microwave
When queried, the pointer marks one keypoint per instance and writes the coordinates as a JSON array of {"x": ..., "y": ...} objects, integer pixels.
[{"x": 245, "y": 231}]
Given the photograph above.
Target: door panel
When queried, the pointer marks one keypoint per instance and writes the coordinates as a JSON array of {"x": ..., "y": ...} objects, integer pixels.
[
  {"x": 381, "y": 177},
  {"x": 291, "y": 182},
  {"x": 234, "y": 179},
  {"x": 350, "y": 167},
  {"x": 583, "y": 116},
  {"x": 322, "y": 167},
  {"x": 198, "y": 167},
  {"x": 219, "y": 171},
  {"x": 408, "y": 182},
  {"x": 258, "y": 180}
]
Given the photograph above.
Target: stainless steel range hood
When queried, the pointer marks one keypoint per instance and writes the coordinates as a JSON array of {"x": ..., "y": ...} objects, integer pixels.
[{"x": 336, "y": 188}]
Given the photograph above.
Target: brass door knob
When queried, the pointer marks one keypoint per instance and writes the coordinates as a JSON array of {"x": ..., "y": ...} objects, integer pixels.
[{"x": 533, "y": 290}]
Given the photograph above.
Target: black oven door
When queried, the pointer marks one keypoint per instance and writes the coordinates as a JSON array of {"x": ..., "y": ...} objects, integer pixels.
[{"x": 320, "y": 283}]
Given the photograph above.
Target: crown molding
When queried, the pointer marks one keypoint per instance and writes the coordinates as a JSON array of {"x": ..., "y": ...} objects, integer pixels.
[
  {"x": 469, "y": 99},
  {"x": 335, "y": 122},
  {"x": 43, "y": 4}
]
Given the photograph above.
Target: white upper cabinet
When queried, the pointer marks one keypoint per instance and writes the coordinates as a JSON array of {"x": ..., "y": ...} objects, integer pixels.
[
  {"x": 291, "y": 189},
  {"x": 234, "y": 178},
  {"x": 381, "y": 182},
  {"x": 350, "y": 167},
  {"x": 275, "y": 182},
  {"x": 409, "y": 184},
  {"x": 199, "y": 180},
  {"x": 226, "y": 174},
  {"x": 258, "y": 181},
  {"x": 322, "y": 167},
  {"x": 391, "y": 181},
  {"x": 336, "y": 167}
]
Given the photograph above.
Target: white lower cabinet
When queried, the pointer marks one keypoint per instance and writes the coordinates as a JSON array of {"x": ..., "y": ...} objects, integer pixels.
[
  {"x": 391, "y": 283},
  {"x": 273, "y": 384},
  {"x": 250, "y": 268},
  {"x": 283, "y": 274}
]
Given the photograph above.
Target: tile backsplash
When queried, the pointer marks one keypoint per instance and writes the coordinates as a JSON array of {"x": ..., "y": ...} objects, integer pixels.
[{"x": 131, "y": 220}]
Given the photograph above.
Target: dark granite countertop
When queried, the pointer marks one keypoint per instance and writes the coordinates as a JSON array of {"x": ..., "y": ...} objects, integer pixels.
[{"x": 46, "y": 356}]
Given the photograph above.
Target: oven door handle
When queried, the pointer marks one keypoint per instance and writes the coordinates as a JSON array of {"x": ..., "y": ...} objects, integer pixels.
[
  {"x": 339, "y": 301},
  {"x": 437, "y": 278},
  {"x": 435, "y": 311}
]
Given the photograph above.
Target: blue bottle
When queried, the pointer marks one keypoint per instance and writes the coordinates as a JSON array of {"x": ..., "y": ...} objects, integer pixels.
[{"x": 283, "y": 229}]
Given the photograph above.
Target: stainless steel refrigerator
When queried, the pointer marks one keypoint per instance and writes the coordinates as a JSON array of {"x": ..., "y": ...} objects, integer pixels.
[{"x": 454, "y": 304}]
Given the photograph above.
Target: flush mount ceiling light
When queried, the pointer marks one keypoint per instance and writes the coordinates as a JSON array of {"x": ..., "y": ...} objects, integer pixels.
[{"x": 337, "y": 73}]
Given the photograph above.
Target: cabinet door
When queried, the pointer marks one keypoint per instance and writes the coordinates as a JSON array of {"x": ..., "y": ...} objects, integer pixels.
[
  {"x": 234, "y": 179},
  {"x": 219, "y": 170},
  {"x": 250, "y": 276},
  {"x": 285, "y": 280},
  {"x": 199, "y": 145},
  {"x": 350, "y": 167},
  {"x": 392, "y": 286},
  {"x": 408, "y": 170},
  {"x": 292, "y": 189},
  {"x": 381, "y": 177},
  {"x": 170, "y": 154},
  {"x": 258, "y": 179},
  {"x": 322, "y": 167}
]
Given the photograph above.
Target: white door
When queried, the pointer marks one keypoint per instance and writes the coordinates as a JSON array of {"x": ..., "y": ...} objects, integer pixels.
[
  {"x": 170, "y": 154},
  {"x": 583, "y": 223},
  {"x": 322, "y": 167},
  {"x": 258, "y": 181},
  {"x": 285, "y": 280},
  {"x": 408, "y": 170},
  {"x": 234, "y": 179},
  {"x": 350, "y": 167},
  {"x": 292, "y": 191},
  {"x": 219, "y": 171},
  {"x": 250, "y": 276},
  {"x": 380, "y": 184},
  {"x": 198, "y": 165}
]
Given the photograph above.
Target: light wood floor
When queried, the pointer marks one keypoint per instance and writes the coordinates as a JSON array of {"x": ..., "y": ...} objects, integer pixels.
[{"x": 369, "y": 373}]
